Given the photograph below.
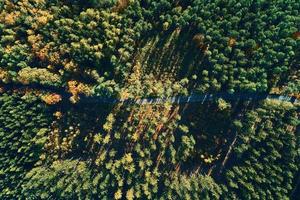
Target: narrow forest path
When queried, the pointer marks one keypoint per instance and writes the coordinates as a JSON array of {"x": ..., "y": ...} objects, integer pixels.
[{"x": 194, "y": 98}]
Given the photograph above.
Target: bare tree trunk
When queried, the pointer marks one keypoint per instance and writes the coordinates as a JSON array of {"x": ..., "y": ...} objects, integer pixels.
[
  {"x": 228, "y": 153},
  {"x": 210, "y": 170}
]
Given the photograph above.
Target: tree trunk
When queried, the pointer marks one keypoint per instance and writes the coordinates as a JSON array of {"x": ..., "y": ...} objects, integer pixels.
[{"x": 228, "y": 153}]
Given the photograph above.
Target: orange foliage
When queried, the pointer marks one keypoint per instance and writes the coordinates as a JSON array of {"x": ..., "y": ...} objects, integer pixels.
[
  {"x": 2, "y": 89},
  {"x": 51, "y": 99},
  {"x": 76, "y": 88},
  {"x": 121, "y": 5},
  {"x": 296, "y": 35},
  {"x": 9, "y": 18}
]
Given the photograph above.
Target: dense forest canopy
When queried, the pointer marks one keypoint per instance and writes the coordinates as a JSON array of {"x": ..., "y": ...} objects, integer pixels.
[{"x": 56, "y": 54}]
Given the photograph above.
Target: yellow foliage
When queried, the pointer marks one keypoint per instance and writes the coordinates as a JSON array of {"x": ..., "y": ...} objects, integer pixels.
[
  {"x": 135, "y": 137},
  {"x": 128, "y": 158},
  {"x": 4, "y": 77},
  {"x": 54, "y": 58},
  {"x": 130, "y": 194},
  {"x": 76, "y": 88},
  {"x": 43, "y": 157},
  {"x": 106, "y": 139},
  {"x": 28, "y": 75},
  {"x": 231, "y": 42},
  {"x": 118, "y": 194},
  {"x": 42, "y": 20},
  {"x": 70, "y": 66},
  {"x": 58, "y": 114}
]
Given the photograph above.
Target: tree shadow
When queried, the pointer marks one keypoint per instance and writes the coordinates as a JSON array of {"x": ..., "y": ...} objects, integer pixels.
[{"x": 172, "y": 52}]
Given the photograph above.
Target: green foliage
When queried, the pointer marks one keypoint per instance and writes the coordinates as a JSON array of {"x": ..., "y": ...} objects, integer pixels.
[
  {"x": 71, "y": 179},
  {"x": 151, "y": 48},
  {"x": 244, "y": 46},
  {"x": 107, "y": 89},
  {"x": 192, "y": 187},
  {"x": 265, "y": 158},
  {"x": 58, "y": 40},
  {"x": 23, "y": 131},
  {"x": 239, "y": 33},
  {"x": 68, "y": 179}
]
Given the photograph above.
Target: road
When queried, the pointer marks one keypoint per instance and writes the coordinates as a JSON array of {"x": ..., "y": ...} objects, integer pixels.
[{"x": 195, "y": 98}]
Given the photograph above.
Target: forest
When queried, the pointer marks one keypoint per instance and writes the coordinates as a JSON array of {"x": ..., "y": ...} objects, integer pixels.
[{"x": 68, "y": 67}]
